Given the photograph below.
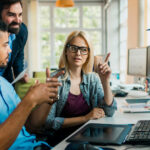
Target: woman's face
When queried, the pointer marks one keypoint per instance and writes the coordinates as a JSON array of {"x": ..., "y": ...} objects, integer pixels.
[{"x": 77, "y": 52}]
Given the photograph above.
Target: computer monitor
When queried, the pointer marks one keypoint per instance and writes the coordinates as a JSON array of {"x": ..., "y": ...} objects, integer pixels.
[{"x": 139, "y": 62}]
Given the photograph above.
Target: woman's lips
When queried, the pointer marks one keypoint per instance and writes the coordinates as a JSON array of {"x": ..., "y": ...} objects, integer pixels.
[{"x": 77, "y": 59}]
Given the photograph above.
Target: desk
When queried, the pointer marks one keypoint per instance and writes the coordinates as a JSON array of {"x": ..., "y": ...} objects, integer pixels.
[{"x": 118, "y": 118}]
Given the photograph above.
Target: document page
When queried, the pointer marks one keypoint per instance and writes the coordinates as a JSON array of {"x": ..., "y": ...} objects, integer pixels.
[{"x": 20, "y": 76}]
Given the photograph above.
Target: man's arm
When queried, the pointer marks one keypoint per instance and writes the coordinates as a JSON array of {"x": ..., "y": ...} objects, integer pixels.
[
  {"x": 35, "y": 123},
  {"x": 10, "y": 129},
  {"x": 37, "y": 95},
  {"x": 18, "y": 48}
]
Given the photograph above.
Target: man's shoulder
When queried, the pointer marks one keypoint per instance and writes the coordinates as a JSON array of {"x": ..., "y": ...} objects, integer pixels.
[
  {"x": 2, "y": 79},
  {"x": 4, "y": 82},
  {"x": 22, "y": 36},
  {"x": 23, "y": 28},
  {"x": 23, "y": 31},
  {"x": 6, "y": 87}
]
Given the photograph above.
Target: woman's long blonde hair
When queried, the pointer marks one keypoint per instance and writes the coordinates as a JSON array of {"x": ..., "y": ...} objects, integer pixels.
[{"x": 63, "y": 62}]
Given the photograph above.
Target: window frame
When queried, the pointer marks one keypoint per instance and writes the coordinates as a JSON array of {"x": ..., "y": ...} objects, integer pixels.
[{"x": 52, "y": 30}]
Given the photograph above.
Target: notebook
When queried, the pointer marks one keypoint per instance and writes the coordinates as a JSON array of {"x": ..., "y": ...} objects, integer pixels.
[{"x": 113, "y": 134}]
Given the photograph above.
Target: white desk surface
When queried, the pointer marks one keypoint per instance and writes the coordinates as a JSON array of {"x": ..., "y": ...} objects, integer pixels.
[{"x": 118, "y": 118}]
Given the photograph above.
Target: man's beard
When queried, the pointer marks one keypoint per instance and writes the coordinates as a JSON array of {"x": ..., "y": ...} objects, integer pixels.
[
  {"x": 13, "y": 30},
  {"x": 2, "y": 65}
]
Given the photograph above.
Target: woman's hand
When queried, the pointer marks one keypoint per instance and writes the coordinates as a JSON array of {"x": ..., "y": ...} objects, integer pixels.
[
  {"x": 96, "y": 113},
  {"x": 104, "y": 70}
]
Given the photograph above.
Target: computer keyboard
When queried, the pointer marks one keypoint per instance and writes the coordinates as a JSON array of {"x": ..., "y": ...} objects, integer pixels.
[{"x": 140, "y": 134}]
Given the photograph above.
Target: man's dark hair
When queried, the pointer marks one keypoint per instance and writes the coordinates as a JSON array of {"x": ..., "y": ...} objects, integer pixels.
[
  {"x": 3, "y": 27},
  {"x": 6, "y": 4}
]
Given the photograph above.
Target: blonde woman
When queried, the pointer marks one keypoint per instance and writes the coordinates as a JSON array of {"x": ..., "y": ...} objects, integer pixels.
[{"x": 82, "y": 95}]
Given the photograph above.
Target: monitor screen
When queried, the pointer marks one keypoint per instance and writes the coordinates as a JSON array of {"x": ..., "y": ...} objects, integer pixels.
[{"x": 139, "y": 61}]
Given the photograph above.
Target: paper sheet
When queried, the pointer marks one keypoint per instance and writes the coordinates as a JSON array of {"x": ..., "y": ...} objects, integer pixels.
[{"x": 20, "y": 76}]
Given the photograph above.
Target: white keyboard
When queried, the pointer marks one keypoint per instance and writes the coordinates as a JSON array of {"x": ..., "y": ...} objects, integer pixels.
[{"x": 134, "y": 93}]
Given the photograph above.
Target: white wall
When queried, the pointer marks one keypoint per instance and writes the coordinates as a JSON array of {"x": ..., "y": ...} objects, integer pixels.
[
  {"x": 141, "y": 24},
  {"x": 30, "y": 19}
]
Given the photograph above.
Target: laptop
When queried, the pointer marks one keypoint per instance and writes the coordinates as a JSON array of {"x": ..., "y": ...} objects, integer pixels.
[{"x": 114, "y": 134}]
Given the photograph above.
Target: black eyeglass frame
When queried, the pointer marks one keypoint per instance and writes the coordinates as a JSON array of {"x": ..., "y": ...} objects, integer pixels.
[{"x": 78, "y": 48}]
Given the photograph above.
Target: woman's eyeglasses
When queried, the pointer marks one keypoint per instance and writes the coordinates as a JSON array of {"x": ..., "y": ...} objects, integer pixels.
[{"x": 74, "y": 49}]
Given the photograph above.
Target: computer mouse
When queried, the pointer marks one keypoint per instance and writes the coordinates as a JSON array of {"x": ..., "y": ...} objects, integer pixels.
[
  {"x": 121, "y": 94},
  {"x": 86, "y": 146}
]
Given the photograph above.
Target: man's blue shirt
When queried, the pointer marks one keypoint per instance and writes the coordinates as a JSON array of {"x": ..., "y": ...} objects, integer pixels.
[
  {"x": 11, "y": 39},
  {"x": 8, "y": 102}
]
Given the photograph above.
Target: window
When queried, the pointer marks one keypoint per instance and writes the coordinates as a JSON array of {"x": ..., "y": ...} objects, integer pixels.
[
  {"x": 116, "y": 37},
  {"x": 123, "y": 38},
  {"x": 56, "y": 23},
  {"x": 44, "y": 35}
]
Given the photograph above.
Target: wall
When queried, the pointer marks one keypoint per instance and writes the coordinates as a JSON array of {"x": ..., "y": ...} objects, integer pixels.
[
  {"x": 133, "y": 23},
  {"x": 30, "y": 15},
  {"x": 33, "y": 35}
]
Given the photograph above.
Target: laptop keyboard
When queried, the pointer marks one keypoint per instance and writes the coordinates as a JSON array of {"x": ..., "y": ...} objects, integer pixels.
[{"x": 140, "y": 134}]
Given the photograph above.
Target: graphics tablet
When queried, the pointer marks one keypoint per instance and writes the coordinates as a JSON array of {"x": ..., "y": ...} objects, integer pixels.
[{"x": 103, "y": 134}]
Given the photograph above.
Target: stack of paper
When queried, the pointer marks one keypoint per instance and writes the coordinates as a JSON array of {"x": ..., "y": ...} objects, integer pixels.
[{"x": 135, "y": 108}]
